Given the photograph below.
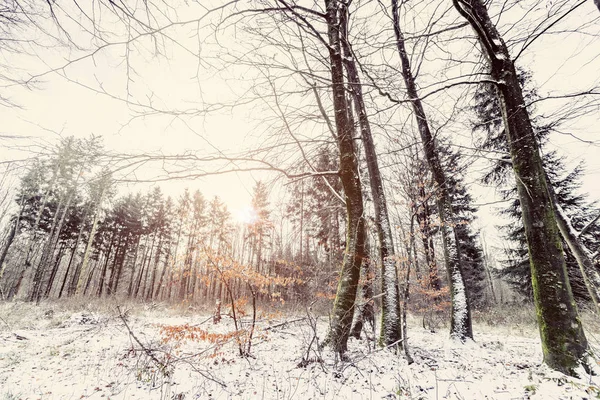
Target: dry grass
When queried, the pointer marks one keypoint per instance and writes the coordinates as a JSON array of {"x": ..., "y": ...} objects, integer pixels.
[{"x": 52, "y": 313}]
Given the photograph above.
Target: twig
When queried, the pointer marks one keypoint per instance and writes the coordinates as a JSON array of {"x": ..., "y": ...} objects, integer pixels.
[
  {"x": 148, "y": 352},
  {"x": 16, "y": 335},
  {"x": 203, "y": 322},
  {"x": 6, "y": 323},
  {"x": 268, "y": 328},
  {"x": 251, "y": 333}
]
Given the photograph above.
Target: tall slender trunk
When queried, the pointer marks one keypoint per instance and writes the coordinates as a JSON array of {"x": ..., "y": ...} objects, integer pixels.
[
  {"x": 36, "y": 225},
  {"x": 144, "y": 271},
  {"x": 133, "y": 264},
  {"x": 488, "y": 272},
  {"x": 88, "y": 279},
  {"x": 366, "y": 312},
  {"x": 52, "y": 277},
  {"x": 410, "y": 250},
  {"x": 564, "y": 344},
  {"x": 36, "y": 285},
  {"x": 117, "y": 264},
  {"x": 423, "y": 218},
  {"x": 150, "y": 291},
  {"x": 461, "y": 326},
  {"x": 71, "y": 258},
  {"x": 105, "y": 266},
  {"x": 56, "y": 238},
  {"x": 390, "y": 319},
  {"x": 343, "y": 308},
  {"x": 76, "y": 284},
  {"x": 162, "y": 274},
  {"x": 187, "y": 268},
  {"x": 114, "y": 287},
  {"x": 10, "y": 238},
  {"x": 301, "y": 224}
]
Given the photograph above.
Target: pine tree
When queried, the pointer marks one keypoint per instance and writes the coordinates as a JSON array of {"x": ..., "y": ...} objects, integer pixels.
[
  {"x": 471, "y": 252},
  {"x": 515, "y": 269},
  {"x": 564, "y": 343},
  {"x": 260, "y": 228}
]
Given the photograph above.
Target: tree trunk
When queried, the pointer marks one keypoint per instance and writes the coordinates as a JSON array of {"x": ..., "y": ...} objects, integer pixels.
[
  {"x": 105, "y": 266},
  {"x": 77, "y": 283},
  {"x": 343, "y": 308},
  {"x": 55, "y": 239},
  {"x": 133, "y": 264},
  {"x": 366, "y": 312},
  {"x": 423, "y": 219},
  {"x": 410, "y": 248},
  {"x": 61, "y": 252},
  {"x": 460, "y": 327},
  {"x": 162, "y": 274},
  {"x": 150, "y": 291},
  {"x": 390, "y": 318},
  {"x": 35, "y": 290},
  {"x": 36, "y": 226},
  {"x": 10, "y": 238},
  {"x": 71, "y": 258},
  {"x": 142, "y": 277},
  {"x": 564, "y": 343},
  {"x": 590, "y": 275}
]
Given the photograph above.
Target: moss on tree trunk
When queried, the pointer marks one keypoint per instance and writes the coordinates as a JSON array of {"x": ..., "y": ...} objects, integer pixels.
[
  {"x": 563, "y": 340},
  {"x": 343, "y": 307},
  {"x": 461, "y": 326}
]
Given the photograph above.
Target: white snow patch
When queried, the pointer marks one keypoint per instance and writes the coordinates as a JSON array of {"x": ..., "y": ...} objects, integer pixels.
[{"x": 96, "y": 361}]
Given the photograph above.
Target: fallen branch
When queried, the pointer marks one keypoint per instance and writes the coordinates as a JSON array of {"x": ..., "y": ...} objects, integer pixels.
[
  {"x": 284, "y": 323},
  {"x": 146, "y": 350}
]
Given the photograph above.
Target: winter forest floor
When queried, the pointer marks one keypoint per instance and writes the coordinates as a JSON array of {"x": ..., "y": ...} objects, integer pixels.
[{"x": 67, "y": 351}]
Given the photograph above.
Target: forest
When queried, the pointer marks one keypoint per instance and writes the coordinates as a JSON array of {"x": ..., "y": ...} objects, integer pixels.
[{"x": 277, "y": 198}]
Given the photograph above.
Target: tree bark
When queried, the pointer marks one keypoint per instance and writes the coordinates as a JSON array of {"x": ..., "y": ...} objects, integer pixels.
[
  {"x": 105, "y": 266},
  {"x": 366, "y": 312},
  {"x": 36, "y": 286},
  {"x": 52, "y": 277},
  {"x": 564, "y": 343},
  {"x": 77, "y": 283},
  {"x": 460, "y": 327},
  {"x": 590, "y": 275},
  {"x": 343, "y": 308},
  {"x": 390, "y": 318},
  {"x": 10, "y": 238},
  {"x": 423, "y": 218}
]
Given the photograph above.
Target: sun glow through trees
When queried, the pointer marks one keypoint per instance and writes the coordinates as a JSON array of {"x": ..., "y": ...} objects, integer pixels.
[{"x": 246, "y": 215}]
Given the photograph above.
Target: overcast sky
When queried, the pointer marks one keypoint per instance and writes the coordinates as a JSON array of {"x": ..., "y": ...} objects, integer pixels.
[{"x": 61, "y": 104}]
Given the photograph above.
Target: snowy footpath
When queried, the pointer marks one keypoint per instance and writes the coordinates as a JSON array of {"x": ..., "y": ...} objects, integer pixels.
[{"x": 59, "y": 354}]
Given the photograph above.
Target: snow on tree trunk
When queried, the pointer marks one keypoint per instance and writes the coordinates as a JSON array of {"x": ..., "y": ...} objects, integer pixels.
[
  {"x": 590, "y": 275},
  {"x": 14, "y": 229},
  {"x": 564, "y": 343},
  {"x": 343, "y": 308},
  {"x": 390, "y": 319},
  {"x": 461, "y": 327}
]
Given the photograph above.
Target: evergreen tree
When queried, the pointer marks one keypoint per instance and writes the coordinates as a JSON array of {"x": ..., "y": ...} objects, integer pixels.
[
  {"x": 260, "y": 228},
  {"x": 317, "y": 215},
  {"x": 471, "y": 252},
  {"x": 516, "y": 269}
]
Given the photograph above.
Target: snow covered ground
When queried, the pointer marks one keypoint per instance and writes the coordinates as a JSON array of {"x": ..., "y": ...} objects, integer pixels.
[{"x": 53, "y": 352}]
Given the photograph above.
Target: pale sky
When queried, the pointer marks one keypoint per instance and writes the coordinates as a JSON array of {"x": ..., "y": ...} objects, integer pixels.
[{"x": 564, "y": 63}]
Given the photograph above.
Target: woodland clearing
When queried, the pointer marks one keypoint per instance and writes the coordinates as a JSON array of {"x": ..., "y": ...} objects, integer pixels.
[{"x": 52, "y": 351}]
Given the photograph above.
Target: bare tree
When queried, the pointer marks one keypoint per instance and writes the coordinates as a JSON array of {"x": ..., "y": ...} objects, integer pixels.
[
  {"x": 391, "y": 331},
  {"x": 461, "y": 327}
]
